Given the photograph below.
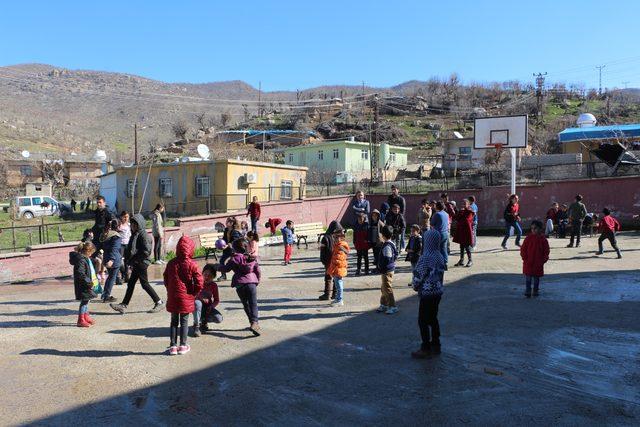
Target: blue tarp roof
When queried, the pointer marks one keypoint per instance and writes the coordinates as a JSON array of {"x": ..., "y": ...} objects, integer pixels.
[{"x": 600, "y": 132}]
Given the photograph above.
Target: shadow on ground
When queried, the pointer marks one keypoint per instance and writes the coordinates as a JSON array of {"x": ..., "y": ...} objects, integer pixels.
[{"x": 568, "y": 357}]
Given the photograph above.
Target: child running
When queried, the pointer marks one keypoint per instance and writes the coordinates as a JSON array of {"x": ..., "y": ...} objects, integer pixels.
[
  {"x": 414, "y": 247},
  {"x": 386, "y": 267},
  {"x": 183, "y": 281},
  {"x": 535, "y": 253},
  {"x": 361, "y": 243},
  {"x": 428, "y": 278},
  {"x": 206, "y": 302},
  {"x": 245, "y": 279},
  {"x": 338, "y": 265},
  {"x": 608, "y": 227},
  {"x": 84, "y": 279},
  {"x": 287, "y": 239}
]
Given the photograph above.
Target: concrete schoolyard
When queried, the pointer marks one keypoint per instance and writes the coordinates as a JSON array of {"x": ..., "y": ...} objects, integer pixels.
[{"x": 571, "y": 356}]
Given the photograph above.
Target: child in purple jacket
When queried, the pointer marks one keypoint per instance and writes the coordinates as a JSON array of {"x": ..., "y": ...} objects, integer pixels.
[{"x": 246, "y": 276}]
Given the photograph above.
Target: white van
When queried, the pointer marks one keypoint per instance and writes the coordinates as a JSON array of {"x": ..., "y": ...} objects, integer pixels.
[{"x": 28, "y": 207}]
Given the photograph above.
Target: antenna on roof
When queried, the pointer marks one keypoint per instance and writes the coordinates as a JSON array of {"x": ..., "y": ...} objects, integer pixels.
[
  {"x": 26, "y": 154},
  {"x": 203, "y": 151}
]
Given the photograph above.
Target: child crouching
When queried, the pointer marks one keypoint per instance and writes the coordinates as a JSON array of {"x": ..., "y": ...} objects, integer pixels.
[
  {"x": 535, "y": 253},
  {"x": 84, "y": 279},
  {"x": 245, "y": 279},
  {"x": 183, "y": 281},
  {"x": 206, "y": 302}
]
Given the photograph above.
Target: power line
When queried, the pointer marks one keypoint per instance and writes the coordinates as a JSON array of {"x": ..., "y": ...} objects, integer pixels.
[{"x": 600, "y": 67}]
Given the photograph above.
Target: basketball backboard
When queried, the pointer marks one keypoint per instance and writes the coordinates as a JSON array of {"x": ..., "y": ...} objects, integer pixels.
[{"x": 501, "y": 131}]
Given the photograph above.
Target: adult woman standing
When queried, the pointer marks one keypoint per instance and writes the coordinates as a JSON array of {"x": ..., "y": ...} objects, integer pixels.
[
  {"x": 512, "y": 219},
  {"x": 464, "y": 232}
]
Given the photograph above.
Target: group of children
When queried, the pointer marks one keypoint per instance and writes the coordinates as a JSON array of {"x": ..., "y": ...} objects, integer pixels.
[{"x": 191, "y": 291}]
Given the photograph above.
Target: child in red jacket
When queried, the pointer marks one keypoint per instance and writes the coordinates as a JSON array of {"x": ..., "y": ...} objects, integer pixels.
[
  {"x": 608, "y": 227},
  {"x": 206, "y": 302},
  {"x": 535, "y": 253},
  {"x": 183, "y": 281},
  {"x": 361, "y": 243}
]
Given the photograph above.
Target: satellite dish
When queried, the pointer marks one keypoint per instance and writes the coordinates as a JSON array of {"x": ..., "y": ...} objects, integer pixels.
[
  {"x": 458, "y": 134},
  {"x": 203, "y": 151},
  {"x": 100, "y": 156},
  {"x": 26, "y": 154}
]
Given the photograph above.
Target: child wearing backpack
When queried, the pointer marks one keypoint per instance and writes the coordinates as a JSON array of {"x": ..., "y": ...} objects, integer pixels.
[
  {"x": 428, "y": 278},
  {"x": 84, "y": 280},
  {"x": 245, "y": 279},
  {"x": 386, "y": 267},
  {"x": 535, "y": 253},
  {"x": 183, "y": 281}
]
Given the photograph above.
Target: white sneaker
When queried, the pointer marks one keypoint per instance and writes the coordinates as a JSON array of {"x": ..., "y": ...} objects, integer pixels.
[
  {"x": 392, "y": 310},
  {"x": 382, "y": 308},
  {"x": 337, "y": 303}
]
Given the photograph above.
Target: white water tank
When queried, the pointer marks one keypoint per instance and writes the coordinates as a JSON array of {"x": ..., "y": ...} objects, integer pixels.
[
  {"x": 586, "y": 120},
  {"x": 100, "y": 156}
]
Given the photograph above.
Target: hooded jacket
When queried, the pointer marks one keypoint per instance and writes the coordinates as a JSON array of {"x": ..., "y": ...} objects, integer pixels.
[
  {"x": 140, "y": 244},
  {"x": 182, "y": 278},
  {"x": 82, "y": 280},
  {"x": 374, "y": 230},
  {"x": 464, "y": 227},
  {"x": 327, "y": 241},
  {"x": 338, "y": 265},
  {"x": 535, "y": 253},
  {"x": 110, "y": 243},
  {"x": 428, "y": 275},
  {"x": 245, "y": 269},
  {"x": 609, "y": 224}
]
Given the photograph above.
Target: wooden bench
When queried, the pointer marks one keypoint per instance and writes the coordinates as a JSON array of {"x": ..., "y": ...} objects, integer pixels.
[
  {"x": 305, "y": 231},
  {"x": 208, "y": 242}
]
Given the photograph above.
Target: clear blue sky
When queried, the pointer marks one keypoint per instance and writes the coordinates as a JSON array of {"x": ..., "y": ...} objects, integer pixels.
[{"x": 300, "y": 43}]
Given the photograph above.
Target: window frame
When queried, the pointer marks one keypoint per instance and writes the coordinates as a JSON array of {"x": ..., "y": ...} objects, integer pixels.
[
  {"x": 392, "y": 157},
  {"x": 320, "y": 154},
  {"x": 200, "y": 180},
  {"x": 286, "y": 189},
  {"x": 364, "y": 154},
  {"x": 290, "y": 157},
  {"x": 132, "y": 187},
  {"x": 162, "y": 187},
  {"x": 336, "y": 153}
]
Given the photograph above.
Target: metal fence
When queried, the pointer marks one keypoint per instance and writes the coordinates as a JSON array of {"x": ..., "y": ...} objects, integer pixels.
[
  {"x": 20, "y": 237},
  {"x": 475, "y": 178}
]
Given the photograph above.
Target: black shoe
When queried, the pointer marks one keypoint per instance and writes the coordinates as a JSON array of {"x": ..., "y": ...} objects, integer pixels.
[
  {"x": 459, "y": 263},
  {"x": 570, "y": 245},
  {"x": 619, "y": 255},
  {"x": 110, "y": 298},
  {"x": 196, "y": 331},
  {"x": 421, "y": 354},
  {"x": 324, "y": 297},
  {"x": 357, "y": 272},
  {"x": 156, "y": 307},
  {"x": 469, "y": 264},
  {"x": 536, "y": 293},
  {"x": 599, "y": 253},
  {"x": 526, "y": 295},
  {"x": 366, "y": 272},
  {"x": 436, "y": 349},
  {"x": 204, "y": 328}
]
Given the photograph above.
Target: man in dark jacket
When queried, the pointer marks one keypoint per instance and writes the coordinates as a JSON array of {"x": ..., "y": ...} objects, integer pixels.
[
  {"x": 326, "y": 248},
  {"x": 138, "y": 255},
  {"x": 396, "y": 221},
  {"x": 577, "y": 213},
  {"x": 102, "y": 217},
  {"x": 396, "y": 199}
]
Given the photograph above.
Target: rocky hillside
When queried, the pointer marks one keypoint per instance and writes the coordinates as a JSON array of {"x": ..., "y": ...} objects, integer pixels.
[{"x": 49, "y": 109}]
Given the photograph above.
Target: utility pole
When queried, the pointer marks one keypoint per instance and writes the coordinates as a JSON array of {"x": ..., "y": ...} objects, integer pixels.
[
  {"x": 259, "y": 99},
  {"x": 626, "y": 84},
  {"x": 600, "y": 67},
  {"x": 373, "y": 145},
  {"x": 363, "y": 103},
  {"x": 539, "y": 88},
  {"x": 135, "y": 143}
]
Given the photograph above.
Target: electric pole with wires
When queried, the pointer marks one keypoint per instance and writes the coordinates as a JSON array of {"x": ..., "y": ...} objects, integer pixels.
[
  {"x": 600, "y": 67},
  {"x": 373, "y": 144},
  {"x": 539, "y": 93}
]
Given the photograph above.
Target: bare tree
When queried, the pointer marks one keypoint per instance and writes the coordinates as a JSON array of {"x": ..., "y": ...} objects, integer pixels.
[
  {"x": 53, "y": 172},
  {"x": 225, "y": 118},
  {"x": 180, "y": 129}
]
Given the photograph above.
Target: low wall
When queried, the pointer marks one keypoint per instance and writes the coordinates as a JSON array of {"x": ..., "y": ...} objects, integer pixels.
[{"x": 621, "y": 195}]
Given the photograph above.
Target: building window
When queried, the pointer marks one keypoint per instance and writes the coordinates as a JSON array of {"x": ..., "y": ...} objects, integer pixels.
[
  {"x": 166, "y": 187},
  {"x": 290, "y": 157},
  {"x": 336, "y": 153},
  {"x": 202, "y": 186},
  {"x": 131, "y": 187},
  {"x": 464, "y": 151},
  {"x": 286, "y": 190},
  {"x": 26, "y": 170},
  {"x": 392, "y": 157},
  {"x": 364, "y": 154},
  {"x": 320, "y": 155}
]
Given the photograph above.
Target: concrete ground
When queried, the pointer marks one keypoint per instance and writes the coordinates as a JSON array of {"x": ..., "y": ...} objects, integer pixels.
[{"x": 570, "y": 357}]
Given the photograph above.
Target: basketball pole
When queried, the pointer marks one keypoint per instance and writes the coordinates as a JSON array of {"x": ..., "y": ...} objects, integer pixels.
[{"x": 512, "y": 151}]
